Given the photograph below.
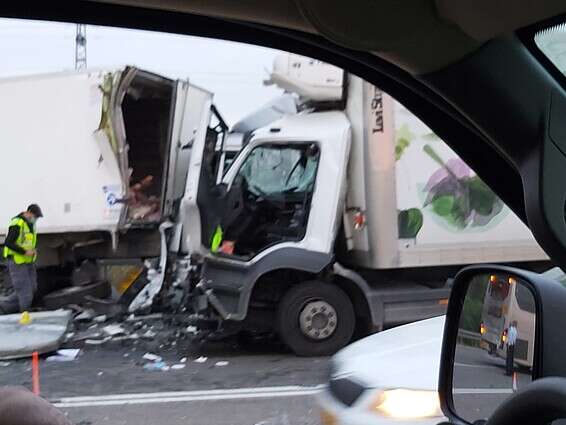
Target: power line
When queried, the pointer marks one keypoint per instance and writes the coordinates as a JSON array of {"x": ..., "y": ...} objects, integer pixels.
[{"x": 80, "y": 47}]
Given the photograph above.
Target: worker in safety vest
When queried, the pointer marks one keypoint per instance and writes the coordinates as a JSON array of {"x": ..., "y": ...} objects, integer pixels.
[{"x": 20, "y": 254}]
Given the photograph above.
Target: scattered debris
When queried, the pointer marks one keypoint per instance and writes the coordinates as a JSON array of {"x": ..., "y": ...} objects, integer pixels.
[
  {"x": 100, "y": 374},
  {"x": 97, "y": 341},
  {"x": 160, "y": 365},
  {"x": 64, "y": 355},
  {"x": 85, "y": 316},
  {"x": 201, "y": 359},
  {"x": 100, "y": 319},
  {"x": 221, "y": 364},
  {"x": 152, "y": 357},
  {"x": 183, "y": 360},
  {"x": 149, "y": 334},
  {"x": 178, "y": 366},
  {"x": 114, "y": 330},
  {"x": 147, "y": 317},
  {"x": 192, "y": 330}
]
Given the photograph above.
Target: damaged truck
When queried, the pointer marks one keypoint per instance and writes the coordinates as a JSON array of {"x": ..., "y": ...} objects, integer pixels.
[
  {"x": 341, "y": 217},
  {"x": 105, "y": 153}
]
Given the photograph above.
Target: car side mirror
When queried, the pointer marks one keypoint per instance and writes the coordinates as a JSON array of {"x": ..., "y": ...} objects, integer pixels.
[{"x": 497, "y": 323}]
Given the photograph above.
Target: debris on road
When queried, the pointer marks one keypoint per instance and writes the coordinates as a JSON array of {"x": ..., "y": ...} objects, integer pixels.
[
  {"x": 86, "y": 315},
  {"x": 201, "y": 359},
  {"x": 152, "y": 357},
  {"x": 5, "y": 364},
  {"x": 97, "y": 341},
  {"x": 64, "y": 355},
  {"x": 162, "y": 366},
  {"x": 44, "y": 334},
  {"x": 178, "y": 366},
  {"x": 221, "y": 364},
  {"x": 114, "y": 330},
  {"x": 100, "y": 319},
  {"x": 183, "y": 360}
]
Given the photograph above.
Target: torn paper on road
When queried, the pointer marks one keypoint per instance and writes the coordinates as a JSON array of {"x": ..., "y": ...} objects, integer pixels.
[{"x": 44, "y": 334}]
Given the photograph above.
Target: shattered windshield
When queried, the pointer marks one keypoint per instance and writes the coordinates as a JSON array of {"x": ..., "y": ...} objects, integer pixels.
[{"x": 273, "y": 169}]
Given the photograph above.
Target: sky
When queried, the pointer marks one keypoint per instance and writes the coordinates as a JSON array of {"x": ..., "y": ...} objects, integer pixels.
[{"x": 234, "y": 72}]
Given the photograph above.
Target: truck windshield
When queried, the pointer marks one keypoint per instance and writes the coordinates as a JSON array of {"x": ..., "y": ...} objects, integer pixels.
[{"x": 271, "y": 170}]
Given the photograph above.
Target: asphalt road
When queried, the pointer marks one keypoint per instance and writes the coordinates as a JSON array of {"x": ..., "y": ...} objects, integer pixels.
[
  {"x": 109, "y": 385},
  {"x": 480, "y": 383}
]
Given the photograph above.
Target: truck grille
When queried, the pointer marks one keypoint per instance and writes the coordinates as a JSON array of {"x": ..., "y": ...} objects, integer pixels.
[{"x": 345, "y": 390}]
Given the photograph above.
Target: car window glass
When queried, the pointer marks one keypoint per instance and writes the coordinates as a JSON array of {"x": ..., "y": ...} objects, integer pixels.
[{"x": 216, "y": 218}]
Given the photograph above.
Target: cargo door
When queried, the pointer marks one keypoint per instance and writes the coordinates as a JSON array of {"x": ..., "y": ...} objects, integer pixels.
[
  {"x": 192, "y": 111},
  {"x": 201, "y": 205}
]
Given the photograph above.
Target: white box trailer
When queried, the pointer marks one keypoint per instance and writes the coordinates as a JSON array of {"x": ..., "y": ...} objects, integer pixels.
[
  {"x": 346, "y": 215},
  {"x": 76, "y": 143}
]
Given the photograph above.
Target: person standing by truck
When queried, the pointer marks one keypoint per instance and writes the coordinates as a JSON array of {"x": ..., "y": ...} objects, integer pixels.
[
  {"x": 20, "y": 254},
  {"x": 511, "y": 340}
]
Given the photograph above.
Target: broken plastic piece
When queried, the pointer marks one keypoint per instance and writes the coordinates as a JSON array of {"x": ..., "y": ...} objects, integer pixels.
[
  {"x": 114, "y": 330},
  {"x": 152, "y": 357},
  {"x": 156, "y": 366},
  {"x": 44, "y": 334},
  {"x": 65, "y": 355},
  {"x": 221, "y": 364}
]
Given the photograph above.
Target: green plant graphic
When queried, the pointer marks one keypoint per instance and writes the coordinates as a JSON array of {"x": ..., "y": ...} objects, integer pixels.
[
  {"x": 409, "y": 223},
  {"x": 404, "y": 139},
  {"x": 459, "y": 197}
]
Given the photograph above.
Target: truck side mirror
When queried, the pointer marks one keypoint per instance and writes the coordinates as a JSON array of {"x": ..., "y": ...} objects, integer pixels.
[{"x": 498, "y": 321}]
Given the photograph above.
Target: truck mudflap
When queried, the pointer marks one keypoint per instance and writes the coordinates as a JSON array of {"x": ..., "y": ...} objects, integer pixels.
[{"x": 394, "y": 305}]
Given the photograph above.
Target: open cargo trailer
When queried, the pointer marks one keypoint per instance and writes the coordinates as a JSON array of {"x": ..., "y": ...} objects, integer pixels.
[
  {"x": 106, "y": 155},
  {"x": 346, "y": 215}
]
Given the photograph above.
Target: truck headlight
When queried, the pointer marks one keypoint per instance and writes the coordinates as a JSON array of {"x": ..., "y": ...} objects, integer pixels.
[{"x": 405, "y": 404}]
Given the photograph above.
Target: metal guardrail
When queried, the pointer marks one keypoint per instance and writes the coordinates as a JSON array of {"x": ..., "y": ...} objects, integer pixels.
[{"x": 468, "y": 338}]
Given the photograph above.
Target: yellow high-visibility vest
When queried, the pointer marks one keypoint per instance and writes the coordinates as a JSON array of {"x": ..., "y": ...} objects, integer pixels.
[{"x": 27, "y": 240}]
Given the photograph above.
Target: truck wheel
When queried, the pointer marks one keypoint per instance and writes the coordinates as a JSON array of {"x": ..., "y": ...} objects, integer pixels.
[
  {"x": 315, "y": 319},
  {"x": 76, "y": 294}
]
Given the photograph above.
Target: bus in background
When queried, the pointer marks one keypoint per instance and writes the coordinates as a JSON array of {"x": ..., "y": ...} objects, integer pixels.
[{"x": 507, "y": 301}]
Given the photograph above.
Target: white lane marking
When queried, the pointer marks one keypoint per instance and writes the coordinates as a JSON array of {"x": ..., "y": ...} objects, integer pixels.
[
  {"x": 482, "y": 391},
  {"x": 187, "y": 396}
]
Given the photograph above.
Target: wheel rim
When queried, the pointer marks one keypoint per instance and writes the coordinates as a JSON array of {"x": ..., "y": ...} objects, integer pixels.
[{"x": 318, "y": 320}]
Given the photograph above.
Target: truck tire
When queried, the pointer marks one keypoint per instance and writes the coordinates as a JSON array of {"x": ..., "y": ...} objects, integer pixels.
[
  {"x": 315, "y": 319},
  {"x": 76, "y": 294}
]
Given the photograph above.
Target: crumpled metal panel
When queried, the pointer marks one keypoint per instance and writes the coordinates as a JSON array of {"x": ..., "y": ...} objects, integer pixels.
[{"x": 43, "y": 334}]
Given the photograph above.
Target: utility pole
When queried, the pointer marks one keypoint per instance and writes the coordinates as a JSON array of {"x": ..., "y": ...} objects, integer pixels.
[{"x": 80, "y": 47}]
